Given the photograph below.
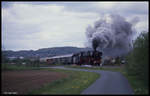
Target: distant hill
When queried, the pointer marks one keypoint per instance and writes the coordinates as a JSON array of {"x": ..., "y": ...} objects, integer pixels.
[{"x": 44, "y": 52}]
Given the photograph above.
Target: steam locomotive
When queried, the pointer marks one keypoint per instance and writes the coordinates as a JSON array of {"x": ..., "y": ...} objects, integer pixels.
[{"x": 87, "y": 58}]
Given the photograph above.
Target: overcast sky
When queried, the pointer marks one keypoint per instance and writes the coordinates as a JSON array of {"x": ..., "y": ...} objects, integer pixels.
[{"x": 34, "y": 25}]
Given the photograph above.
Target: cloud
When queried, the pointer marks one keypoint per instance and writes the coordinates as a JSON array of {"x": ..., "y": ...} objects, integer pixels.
[
  {"x": 124, "y": 7},
  {"x": 34, "y": 25},
  {"x": 27, "y": 26}
]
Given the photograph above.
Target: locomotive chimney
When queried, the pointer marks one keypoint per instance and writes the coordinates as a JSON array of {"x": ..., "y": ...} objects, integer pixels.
[{"x": 95, "y": 43}]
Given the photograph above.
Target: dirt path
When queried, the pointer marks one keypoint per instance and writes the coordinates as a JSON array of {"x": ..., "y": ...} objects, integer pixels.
[{"x": 25, "y": 81}]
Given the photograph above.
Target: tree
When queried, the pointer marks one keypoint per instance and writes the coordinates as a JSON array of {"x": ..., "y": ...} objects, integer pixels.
[{"x": 138, "y": 58}]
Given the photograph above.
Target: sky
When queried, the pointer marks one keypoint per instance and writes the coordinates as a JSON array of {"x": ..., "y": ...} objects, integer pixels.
[{"x": 35, "y": 25}]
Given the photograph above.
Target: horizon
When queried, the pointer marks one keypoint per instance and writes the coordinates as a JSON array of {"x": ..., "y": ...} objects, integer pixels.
[{"x": 45, "y": 48}]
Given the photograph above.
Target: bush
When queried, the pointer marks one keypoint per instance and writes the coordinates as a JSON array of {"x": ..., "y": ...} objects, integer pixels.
[{"x": 138, "y": 59}]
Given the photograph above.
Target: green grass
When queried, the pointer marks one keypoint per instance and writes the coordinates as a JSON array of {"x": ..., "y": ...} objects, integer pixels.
[
  {"x": 6, "y": 67},
  {"x": 75, "y": 83},
  {"x": 136, "y": 84},
  {"x": 95, "y": 68}
]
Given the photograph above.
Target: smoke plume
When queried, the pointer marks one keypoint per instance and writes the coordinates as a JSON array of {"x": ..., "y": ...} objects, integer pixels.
[{"x": 112, "y": 35}]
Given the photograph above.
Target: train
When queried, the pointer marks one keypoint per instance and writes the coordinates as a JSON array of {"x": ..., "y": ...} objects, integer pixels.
[
  {"x": 87, "y": 58},
  {"x": 80, "y": 58}
]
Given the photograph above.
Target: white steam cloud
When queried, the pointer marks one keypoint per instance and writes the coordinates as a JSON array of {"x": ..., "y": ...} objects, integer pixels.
[{"x": 112, "y": 35}]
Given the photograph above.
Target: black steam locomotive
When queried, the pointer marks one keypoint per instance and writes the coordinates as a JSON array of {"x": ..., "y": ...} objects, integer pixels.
[{"x": 87, "y": 58}]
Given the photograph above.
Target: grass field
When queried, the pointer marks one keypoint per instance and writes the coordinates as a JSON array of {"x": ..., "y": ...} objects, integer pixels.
[
  {"x": 16, "y": 67},
  {"x": 136, "y": 84},
  {"x": 77, "y": 80},
  {"x": 75, "y": 83}
]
